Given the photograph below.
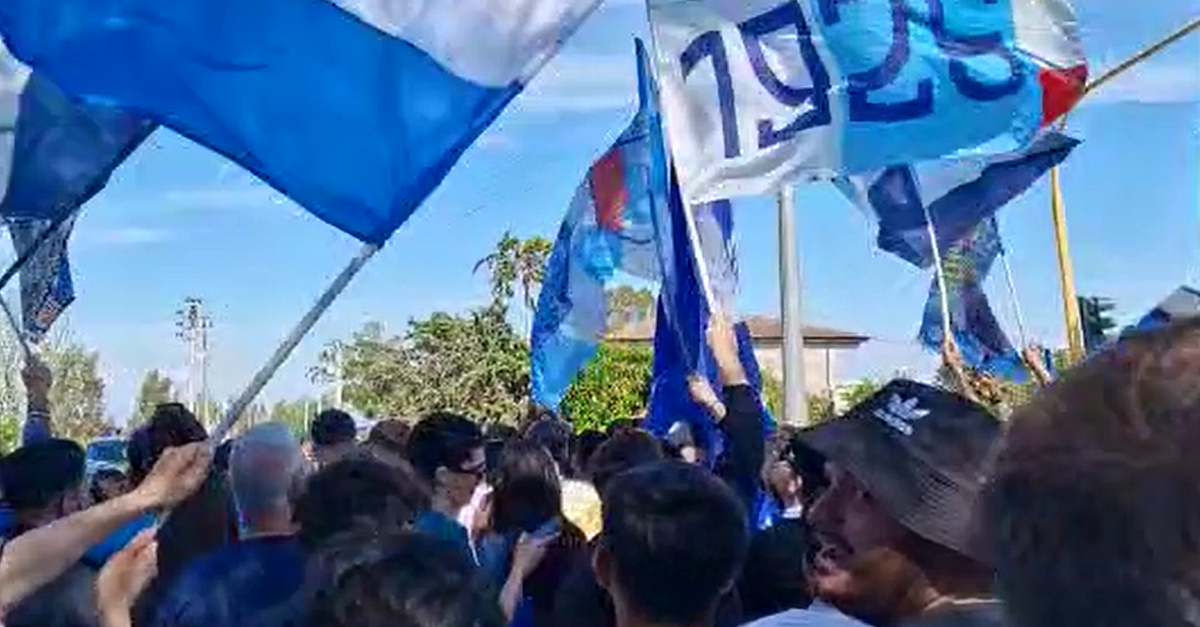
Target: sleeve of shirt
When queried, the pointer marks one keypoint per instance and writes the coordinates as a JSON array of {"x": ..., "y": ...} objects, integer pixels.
[
  {"x": 36, "y": 428},
  {"x": 746, "y": 448}
]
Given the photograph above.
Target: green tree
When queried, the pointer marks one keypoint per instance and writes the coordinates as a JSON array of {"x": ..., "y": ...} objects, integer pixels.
[
  {"x": 77, "y": 396},
  {"x": 155, "y": 390},
  {"x": 613, "y": 386},
  {"x": 516, "y": 263},
  {"x": 473, "y": 363},
  {"x": 295, "y": 414}
]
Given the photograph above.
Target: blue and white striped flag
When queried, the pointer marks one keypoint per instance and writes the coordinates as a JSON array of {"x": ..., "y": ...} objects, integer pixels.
[{"x": 355, "y": 109}]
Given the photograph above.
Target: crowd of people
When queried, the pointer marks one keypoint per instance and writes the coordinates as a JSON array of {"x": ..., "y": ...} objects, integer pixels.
[{"x": 915, "y": 508}]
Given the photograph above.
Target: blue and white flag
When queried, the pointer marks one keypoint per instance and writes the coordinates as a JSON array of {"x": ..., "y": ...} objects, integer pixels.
[
  {"x": 977, "y": 333},
  {"x": 55, "y": 154},
  {"x": 680, "y": 343},
  {"x": 355, "y": 109},
  {"x": 958, "y": 194},
  {"x": 609, "y": 227},
  {"x": 759, "y": 92}
]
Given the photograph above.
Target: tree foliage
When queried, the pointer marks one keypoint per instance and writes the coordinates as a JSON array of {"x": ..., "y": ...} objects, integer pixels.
[
  {"x": 516, "y": 263},
  {"x": 77, "y": 396},
  {"x": 613, "y": 386},
  {"x": 473, "y": 363},
  {"x": 155, "y": 390},
  {"x": 296, "y": 414},
  {"x": 627, "y": 303}
]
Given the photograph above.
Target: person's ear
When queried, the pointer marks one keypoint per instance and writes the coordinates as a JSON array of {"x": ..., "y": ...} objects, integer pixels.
[{"x": 441, "y": 476}]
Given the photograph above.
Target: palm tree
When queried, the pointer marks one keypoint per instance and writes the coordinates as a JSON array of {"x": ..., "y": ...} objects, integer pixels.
[{"x": 516, "y": 262}]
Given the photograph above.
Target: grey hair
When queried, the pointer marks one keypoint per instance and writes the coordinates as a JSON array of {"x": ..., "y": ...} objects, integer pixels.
[{"x": 266, "y": 467}]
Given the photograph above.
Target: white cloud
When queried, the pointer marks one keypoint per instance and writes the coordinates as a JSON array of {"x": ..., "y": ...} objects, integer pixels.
[
  {"x": 582, "y": 83},
  {"x": 1153, "y": 82}
]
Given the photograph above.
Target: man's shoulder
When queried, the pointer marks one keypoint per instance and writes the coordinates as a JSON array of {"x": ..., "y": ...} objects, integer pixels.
[{"x": 816, "y": 616}]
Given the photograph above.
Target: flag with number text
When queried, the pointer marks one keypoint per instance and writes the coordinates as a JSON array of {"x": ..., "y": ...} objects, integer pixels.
[{"x": 759, "y": 92}]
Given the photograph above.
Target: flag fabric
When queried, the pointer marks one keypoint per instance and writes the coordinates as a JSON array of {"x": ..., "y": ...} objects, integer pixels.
[
  {"x": 609, "y": 227},
  {"x": 759, "y": 92},
  {"x": 680, "y": 343},
  {"x": 47, "y": 288},
  {"x": 55, "y": 154},
  {"x": 355, "y": 109},
  {"x": 977, "y": 333},
  {"x": 957, "y": 194}
]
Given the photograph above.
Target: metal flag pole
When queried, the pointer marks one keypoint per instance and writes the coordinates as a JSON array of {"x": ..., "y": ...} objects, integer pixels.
[
  {"x": 17, "y": 330},
  {"x": 795, "y": 395},
  {"x": 1066, "y": 271},
  {"x": 940, "y": 272},
  {"x": 1012, "y": 295},
  {"x": 289, "y": 344}
]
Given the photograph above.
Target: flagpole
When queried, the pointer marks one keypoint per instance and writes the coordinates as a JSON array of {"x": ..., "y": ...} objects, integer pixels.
[
  {"x": 1066, "y": 272},
  {"x": 795, "y": 396},
  {"x": 16, "y": 327},
  {"x": 940, "y": 273},
  {"x": 1016, "y": 303},
  {"x": 289, "y": 344}
]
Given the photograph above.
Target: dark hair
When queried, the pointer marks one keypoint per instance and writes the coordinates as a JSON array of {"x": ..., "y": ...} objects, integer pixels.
[
  {"x": 440, "y": 440},
  {"x": 527, "y": 494},
  {"x": 390, "y": 434},
  {"x": 583, "y": 446},
  {"x": 34, "y": 475},
  {"x": 137, "y": 451},
  {"x": 1092, "y": 512},
  {"x": 555, "y": 436},
  {"x": 674, "y": 538},
  {"x": 359, "y": 492},
  {"x": 402, "y": 579},
  {"x": 500, "y": 431},
  {"x": 171, "y": 425},
  {"x": 100, "y": 476},
  {"x": 332, "y": 427},
  {"x": 621, "y": 452}
]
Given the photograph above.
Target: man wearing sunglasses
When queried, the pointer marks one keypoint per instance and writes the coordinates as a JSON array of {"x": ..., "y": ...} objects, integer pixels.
[{"x": 447, "y": 450}]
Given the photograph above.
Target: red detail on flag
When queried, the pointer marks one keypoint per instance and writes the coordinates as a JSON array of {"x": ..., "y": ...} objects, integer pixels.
[
  {"x": 1061, "y": 89},
  {"x": 609, "y": 194}
]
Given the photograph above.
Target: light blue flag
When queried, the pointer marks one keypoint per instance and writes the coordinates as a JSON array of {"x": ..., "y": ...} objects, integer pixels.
[
  {"x": 355, "y": 109},
  {"x": 55, "y": 154},
  {"x": 609, "y": 227}
]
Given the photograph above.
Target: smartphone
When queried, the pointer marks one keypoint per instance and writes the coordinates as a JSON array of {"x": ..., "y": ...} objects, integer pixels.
[{"x": 549, "y": 529}]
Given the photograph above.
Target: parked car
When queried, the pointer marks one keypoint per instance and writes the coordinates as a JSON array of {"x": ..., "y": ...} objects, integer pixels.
[{"x": 107, "y": 453}]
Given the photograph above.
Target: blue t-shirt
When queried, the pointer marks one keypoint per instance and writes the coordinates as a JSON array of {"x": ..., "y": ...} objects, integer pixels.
[
  {"x": 251, "y": 583},
  {"x": 442, "y": 527}
]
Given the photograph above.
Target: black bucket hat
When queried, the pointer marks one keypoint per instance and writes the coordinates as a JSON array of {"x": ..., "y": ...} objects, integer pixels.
[{"x": 922, "y": 452}]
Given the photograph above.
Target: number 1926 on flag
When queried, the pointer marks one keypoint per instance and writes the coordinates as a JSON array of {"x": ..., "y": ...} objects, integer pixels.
[{"x": 758, "y": 92}]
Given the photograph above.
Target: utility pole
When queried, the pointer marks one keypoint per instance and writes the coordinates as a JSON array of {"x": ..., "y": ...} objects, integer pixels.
[{"x": 193, "y": 323}]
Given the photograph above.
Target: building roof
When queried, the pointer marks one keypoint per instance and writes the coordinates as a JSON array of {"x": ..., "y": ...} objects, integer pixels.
[{"x": 763, "y": 329}]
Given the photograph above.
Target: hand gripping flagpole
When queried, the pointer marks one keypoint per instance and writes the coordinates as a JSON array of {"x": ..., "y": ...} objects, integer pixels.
[{"x": 289, "y": 344}]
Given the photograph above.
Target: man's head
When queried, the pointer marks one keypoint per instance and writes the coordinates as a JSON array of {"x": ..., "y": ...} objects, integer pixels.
[
  {"x": 333, "y": 434},
  {"x": 390, "y": 435},
  {"x": 397, "y": 578},
  {"x": 555, "y": 436},
  {"x": 43, "y": 482},
  {"x": 1092, "y": 512},
  {"x": 360, "y": 491},
  {"x": 447, "y": 449},
  {"x": 893, "y": 527},
  {"x": 266, "y": 471},
  {"x": 623, "y": 451},
  {"x": 674, "y": 537}
]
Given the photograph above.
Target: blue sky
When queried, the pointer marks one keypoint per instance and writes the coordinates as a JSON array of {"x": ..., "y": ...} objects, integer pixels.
[{"x": 180, "y": 221}]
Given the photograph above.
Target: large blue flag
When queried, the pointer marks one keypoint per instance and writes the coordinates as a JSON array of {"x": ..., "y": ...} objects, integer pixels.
[
  {"x": 680, "y": 346},
  {"x": 355, "y": 109},
  {"x": 980, "y": 340},
  {"x": 609, "y": 227},
  {"x": 55, "y": 154},
  {"x": 958, "y": 194}
]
